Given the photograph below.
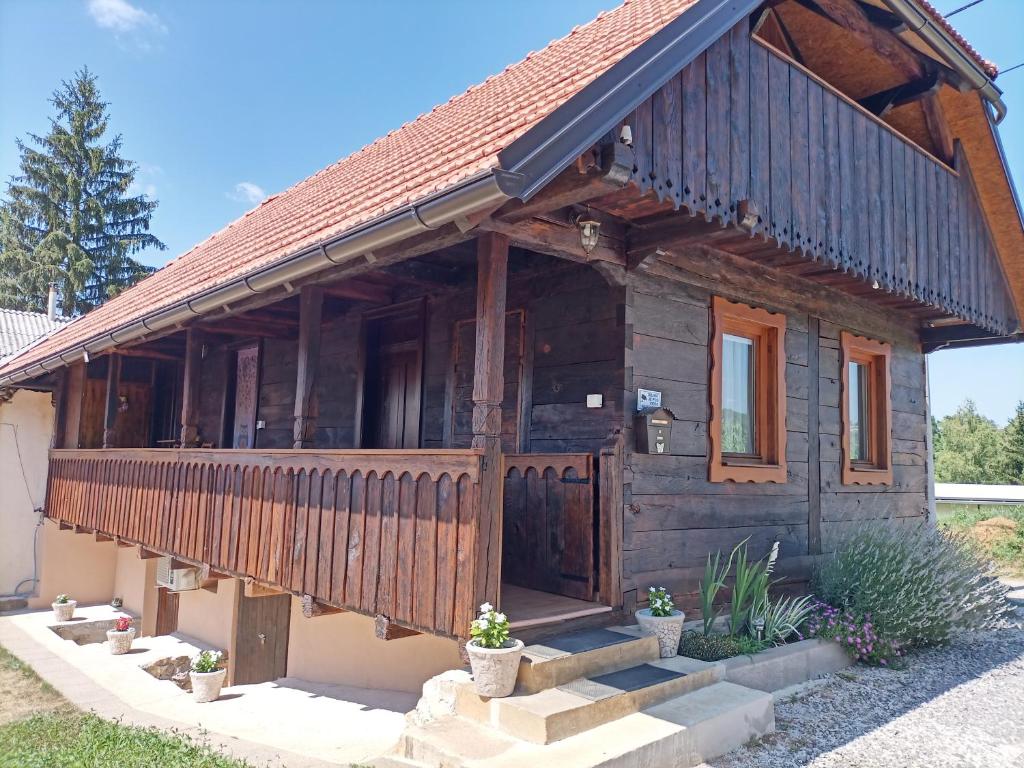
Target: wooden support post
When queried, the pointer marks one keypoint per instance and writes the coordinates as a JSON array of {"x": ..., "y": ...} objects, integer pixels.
[
  {"x": 311, "y": 302},
  {"x": 813, "y": 446},
  {"x": 190, "y": 391},
  {"x": 71, "y": 416},
  {"x": 488, "y": 392},
  {"x": 610, "y": 524},
  {"x": 113, "y": 402}
]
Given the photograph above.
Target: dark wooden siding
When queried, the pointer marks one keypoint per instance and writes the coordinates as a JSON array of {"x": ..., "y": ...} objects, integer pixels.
[
  {"x": 831, "y": 182},
  {"x": 674, "y": 517}
]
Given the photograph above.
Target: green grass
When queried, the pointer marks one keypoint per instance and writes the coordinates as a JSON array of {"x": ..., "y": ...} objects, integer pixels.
[
  {"x": 79, "y": 740},
  {"x": 1006, "y": 549},
  {"x": 39, "y": 729}
]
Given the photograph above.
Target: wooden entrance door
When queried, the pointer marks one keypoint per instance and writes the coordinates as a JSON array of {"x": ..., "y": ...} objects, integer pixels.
[
  {"x": 393, "y": 378},
  {"x": 247, "y": 378},
  {"x": 166, "y": 612},
  {"x": 260, "y": 647}
]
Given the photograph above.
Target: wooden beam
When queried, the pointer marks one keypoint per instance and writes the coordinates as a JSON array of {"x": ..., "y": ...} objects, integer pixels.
[
  {"x": 555, "y": 239},
  {"x": 598, "y": 174},
  {"x": 359, "y": 290},
  {"x": 148, "y": 554},
  {"x": 72, "y": 417},
  {"x": 311, "y": 306},
  {"x": 122, "y": 543},
  {"x": 385, "y": 629},
  {"x": 311, "y": 608},
  {"x": 113, "y": 402},
  {"x": 883, "y": 102},
  {"x": 938, "y": 127},
  {"x": 64, "y": 526},
  {"x": 102, "y": 537},
  {"x": 194, "y": 342},
  {"x": 258, "y": 589},
  {"x": 208, "y": 573}
]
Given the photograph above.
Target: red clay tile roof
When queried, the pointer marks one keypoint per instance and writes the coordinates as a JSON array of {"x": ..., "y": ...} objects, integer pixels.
[
  {"x": 449, "y": 144},
  {"x": 990, "y": 68}
]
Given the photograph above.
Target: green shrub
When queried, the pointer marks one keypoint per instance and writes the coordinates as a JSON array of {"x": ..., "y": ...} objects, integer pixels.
[
  {"x": 713, "y": 647},
  {"x": 919, "y": 585}
]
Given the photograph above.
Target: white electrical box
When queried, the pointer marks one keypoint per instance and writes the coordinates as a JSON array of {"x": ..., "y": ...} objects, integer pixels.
[{"x": 595, "y": 401}]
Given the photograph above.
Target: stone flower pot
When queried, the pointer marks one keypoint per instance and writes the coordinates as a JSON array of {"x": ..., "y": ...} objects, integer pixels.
[
  {"x": 668, "y": 630},
  {"x": 495, "y": 669},
  {"x": 64, "y": 611},
  {"x": 206, "y": 685},
  {"x": 120, "y": 642}
]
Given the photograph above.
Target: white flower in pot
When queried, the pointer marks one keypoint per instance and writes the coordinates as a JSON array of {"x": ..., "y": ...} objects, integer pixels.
[
  {"x": 121, "y": 636},
  {"x": 663, "y": 620},
  {"x": 207, "y": 676},
  {"x": 493, "y": 656},
  {"x": 63, "y": 608}
]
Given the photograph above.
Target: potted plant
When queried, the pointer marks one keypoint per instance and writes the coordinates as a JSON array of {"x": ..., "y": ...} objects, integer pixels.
[
  {"x": 663, "y": 620},
  {"x": 207, "y": 676},
  {"x": 63, "y": 608},
  {"x": 493, "y": 656},
  {"x": 121, "y": 636}
]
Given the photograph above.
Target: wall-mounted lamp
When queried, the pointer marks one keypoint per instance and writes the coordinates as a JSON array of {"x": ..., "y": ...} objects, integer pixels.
[
  {"x": 590, "y": 232},
  {"x": 748, "y": 214},
  {"x": 122, "y": 403}
]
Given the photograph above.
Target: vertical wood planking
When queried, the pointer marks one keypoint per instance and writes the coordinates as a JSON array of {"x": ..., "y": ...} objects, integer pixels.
[
  {"x": 668, "y": 162},
  {"x": 800, "y": 158},
  {"x": 643, "y": 142},
  {"x": 833, "y": 180},
  {"x": 780, "y": 211},
  {"x": 694, "y": 93},
  {"x": 717, "y": 77},
  {"x": 887, "y": 267},
  {"x": 818, "y": 229},
  {"x": 760, "y": 152},
  {"x": 739, "y": 116}
]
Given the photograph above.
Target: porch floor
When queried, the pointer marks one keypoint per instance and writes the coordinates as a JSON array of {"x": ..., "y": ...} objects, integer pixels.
[{"x": 531, "y": 608}]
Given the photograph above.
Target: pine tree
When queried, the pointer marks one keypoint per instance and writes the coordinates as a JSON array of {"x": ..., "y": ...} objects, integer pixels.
[
  {"x": 68, "y": 217},
  {"x": 1012, "y": 458}
]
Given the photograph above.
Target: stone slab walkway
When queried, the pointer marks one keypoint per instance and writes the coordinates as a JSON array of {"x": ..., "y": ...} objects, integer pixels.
[{"x": 288, "y": 722}]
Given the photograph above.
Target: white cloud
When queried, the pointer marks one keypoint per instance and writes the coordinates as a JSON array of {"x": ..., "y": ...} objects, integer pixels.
[
  {"x": 122, "y": 16},
  {"x": 247, "y": 192}
]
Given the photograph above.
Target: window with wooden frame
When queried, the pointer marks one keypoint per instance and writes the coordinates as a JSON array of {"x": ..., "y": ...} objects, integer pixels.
[
  {"x": 748, "y": 394},
  {"x": 866, "y": 410}
]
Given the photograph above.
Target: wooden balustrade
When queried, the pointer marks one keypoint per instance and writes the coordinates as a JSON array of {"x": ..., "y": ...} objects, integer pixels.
[
  {"x": 392, "y": 533},
  {"x": 548, "y": 523}
]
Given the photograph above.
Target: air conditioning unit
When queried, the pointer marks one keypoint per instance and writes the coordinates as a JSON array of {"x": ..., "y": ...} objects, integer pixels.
[{"x": 176, "y": 579}]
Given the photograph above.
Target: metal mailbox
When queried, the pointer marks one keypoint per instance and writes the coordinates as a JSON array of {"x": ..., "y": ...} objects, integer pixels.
[{"x": 654, "y": 430}]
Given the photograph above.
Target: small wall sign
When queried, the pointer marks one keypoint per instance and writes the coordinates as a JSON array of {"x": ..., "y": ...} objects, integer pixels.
[{"x": 647, "y": 399}]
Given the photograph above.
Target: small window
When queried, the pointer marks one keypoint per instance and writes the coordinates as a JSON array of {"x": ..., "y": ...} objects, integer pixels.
[
  {"x": 748, "y": 394},
  {"x": 866, "y": 411}
]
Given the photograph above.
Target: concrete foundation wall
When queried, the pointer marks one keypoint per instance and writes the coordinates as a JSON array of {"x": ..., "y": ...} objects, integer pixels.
[
  {"x": 209, "y": 616},
  {"x": 341, "y": 648},
  {"x": 26, "y": 424},
  {"x": 76, "y": 564}
]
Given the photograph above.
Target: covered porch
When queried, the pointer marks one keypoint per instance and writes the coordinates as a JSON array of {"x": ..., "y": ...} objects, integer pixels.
[{"x": 386, "y": 444}]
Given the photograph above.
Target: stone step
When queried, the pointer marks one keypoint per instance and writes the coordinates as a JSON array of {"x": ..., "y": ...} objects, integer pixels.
[
  {"x": 563, "y": 658},
  {"x": 679, "y": 733},
  {"x": 12, "y": 604},
  {"x": 587, "y": 702}
]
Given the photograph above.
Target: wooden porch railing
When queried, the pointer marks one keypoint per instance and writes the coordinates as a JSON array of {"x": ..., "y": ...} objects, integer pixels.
[{"x": 393, "y": 533}]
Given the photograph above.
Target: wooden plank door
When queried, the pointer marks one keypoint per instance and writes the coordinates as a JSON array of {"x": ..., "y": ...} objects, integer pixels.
[
  {"x": 166, "y": 612},
  {"x": 247, "y": 378},
  {"x": 260, "y": 644},
  {"x": 396, "y": 420}
]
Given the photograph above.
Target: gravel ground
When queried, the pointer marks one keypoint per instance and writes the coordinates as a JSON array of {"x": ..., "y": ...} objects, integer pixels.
[{"x": 957, "y": 706}]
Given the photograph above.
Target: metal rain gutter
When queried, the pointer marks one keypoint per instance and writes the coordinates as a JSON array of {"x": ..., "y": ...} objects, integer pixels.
[
  {"x": 488, "y": 189},
  {"x": 938, "y": 38}
]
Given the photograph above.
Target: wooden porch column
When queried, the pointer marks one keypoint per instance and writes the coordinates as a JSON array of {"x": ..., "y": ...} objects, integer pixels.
[
  {"x": 113, "y": 402},
  {"x": 488, "y": 392},
  {"x": 69, "y": 421},
  {"x": 311, "y": 304},
  {"x": 190, "y": 390}
]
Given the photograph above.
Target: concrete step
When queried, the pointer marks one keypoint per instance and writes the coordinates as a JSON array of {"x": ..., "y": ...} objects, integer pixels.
[
  {"x": 563, "y": 658},
  {"x": 587, "y": 702},
  {"x": 679, "y": 733},
  {"x": 12, "y": 604}
]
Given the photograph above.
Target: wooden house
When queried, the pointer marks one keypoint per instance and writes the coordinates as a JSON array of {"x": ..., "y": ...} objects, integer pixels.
[{"x": 410, "y": 383}]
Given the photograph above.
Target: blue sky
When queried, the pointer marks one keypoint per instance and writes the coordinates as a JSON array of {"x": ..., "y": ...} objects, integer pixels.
[{"x": 222, "y": 102}]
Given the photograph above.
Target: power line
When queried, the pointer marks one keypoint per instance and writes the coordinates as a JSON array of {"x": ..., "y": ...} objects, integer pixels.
[
  {"x": 1015, "y": 66},
  {"x": 963, "y": 8}
]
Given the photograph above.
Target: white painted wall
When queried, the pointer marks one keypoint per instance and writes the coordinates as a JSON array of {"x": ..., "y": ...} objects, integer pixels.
[{"x": 26, "y": 425}]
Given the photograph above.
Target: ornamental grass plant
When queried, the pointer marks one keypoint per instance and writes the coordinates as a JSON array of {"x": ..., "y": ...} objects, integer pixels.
[{"x": 918, "y": 585}]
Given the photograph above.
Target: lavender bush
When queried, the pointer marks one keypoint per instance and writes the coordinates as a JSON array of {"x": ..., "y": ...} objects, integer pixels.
[{"x": 918, "y": 585}]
